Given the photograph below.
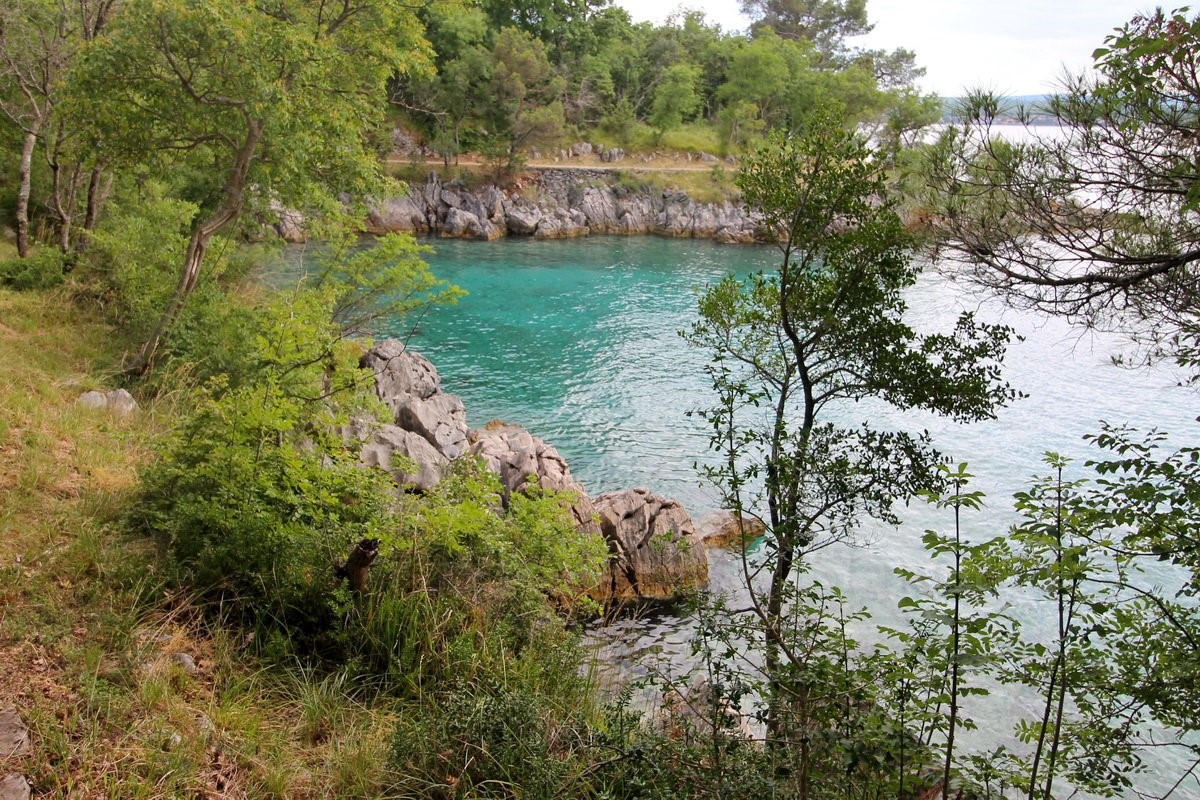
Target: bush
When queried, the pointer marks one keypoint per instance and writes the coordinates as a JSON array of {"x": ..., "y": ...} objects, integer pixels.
[
  {"x": 41, "y": 270},
  {"x": 518, "y": 730},
  {"x": 464, "y": 584}
]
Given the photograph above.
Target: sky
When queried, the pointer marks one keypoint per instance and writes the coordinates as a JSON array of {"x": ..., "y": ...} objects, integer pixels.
[{"x": 1013, "y": 47}]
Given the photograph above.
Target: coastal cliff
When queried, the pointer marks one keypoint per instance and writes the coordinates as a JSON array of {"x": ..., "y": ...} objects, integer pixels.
[{"x": 557, "y": 204}]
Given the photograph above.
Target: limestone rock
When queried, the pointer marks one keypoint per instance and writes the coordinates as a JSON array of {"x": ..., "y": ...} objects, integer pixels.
[
  {"x": 722, "y": 529},
  {"x": 186, "y": 662},
  {"x": 398, "y": 371},
  {"x": 523, "y": 220},
  {"x": 522, "y": 459},
  {"x": 14, "y": 735},
  {"x": 410, "y": 386},
  {"x": 398, "y": 214},
  {"x": 563, "y": 203},
  {"x": 92, "y": 399},
  {"x": 121, "y": 402},
  {"x": 460, "y": 224},
  {"x": 14, "y": 787},
  {"x": 118, "y": 401},
  {"x": 655, "y": 552},
  {"x": 428, "y": 466},
  {"x": 290, "y": 224}
]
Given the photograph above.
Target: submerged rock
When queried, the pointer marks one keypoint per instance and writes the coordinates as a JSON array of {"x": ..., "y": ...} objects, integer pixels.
[
  {"x": 725, "y": 529},
  {"x": 655, "y": 552}
]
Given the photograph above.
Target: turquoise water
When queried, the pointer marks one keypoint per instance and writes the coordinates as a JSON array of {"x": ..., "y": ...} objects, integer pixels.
[{"x": 578, "y": 341}]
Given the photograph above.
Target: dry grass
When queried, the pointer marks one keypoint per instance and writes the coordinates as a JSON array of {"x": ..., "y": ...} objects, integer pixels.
[{"x": 88, "y": 633}]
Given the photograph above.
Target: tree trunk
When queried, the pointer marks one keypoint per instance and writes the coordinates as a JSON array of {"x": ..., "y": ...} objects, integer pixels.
[
  {"x": 95, "y": 198},
  {"x": 23, "y": 191},
  {"x": 193, "y": 260}
]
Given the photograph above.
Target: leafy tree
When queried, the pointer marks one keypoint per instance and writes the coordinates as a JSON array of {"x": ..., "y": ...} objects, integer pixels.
[
  {"x": 1100, "y": 224},
  {"x": 255, "y": 104},
  {"x": 525, "y": 108},
  {"x": 675, "y": 98},
  {"x": 826, "y": 328},
  {"x": 38, "y": 41},
  {"x": 956, "y": 635},
  {"x": 762, "y": 73},
  {"x": 825, "y": 23}
]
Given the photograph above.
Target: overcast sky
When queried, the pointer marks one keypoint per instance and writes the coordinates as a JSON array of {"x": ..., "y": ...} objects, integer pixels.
[{"x": 1011, "y": 46}]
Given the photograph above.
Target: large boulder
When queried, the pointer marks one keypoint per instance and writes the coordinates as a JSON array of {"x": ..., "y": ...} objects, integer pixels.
[
  {"x": 655, "y": 552},
  {"x": 415, "y": 464},
  {"x": 523, "y": 460},
  {"x": 523, "y": 220},
  {"x": 410, "y": 386}
]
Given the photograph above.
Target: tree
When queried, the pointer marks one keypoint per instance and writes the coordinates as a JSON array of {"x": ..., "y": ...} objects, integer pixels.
[
  {"x": 825, "y": 329},
  {"x": 525, "y": 108},
  {"x": 675, "y": 98},
  {"x": 38, "y": 41},
  {"x": 825, "y": 23},
  {"x": 1101, "y": 221},
  {"x": 253, "y": 104}
]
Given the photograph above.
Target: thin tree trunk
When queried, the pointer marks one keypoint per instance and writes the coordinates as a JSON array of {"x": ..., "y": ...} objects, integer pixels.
[
  {"x": 24, "y": 191},
  {"x": 203, "y": 233},
  {"x": 954, "y": 644},
  {"x": 95, "y": 198}
]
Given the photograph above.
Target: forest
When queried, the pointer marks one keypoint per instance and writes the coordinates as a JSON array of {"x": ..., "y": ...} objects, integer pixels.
[{"x": 205, "y": 590}]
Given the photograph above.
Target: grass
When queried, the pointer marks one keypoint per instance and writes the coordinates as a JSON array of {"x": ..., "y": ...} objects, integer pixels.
[{"x": 89, "y": 630}]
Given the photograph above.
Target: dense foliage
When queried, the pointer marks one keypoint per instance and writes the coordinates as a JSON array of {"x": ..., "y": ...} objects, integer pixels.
[{"x": 147, "y": 141}]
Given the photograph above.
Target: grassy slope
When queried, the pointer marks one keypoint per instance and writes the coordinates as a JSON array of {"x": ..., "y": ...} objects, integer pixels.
[{"x": 87, "y": 632}]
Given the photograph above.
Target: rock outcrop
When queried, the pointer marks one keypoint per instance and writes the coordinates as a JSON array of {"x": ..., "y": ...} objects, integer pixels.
[
  {"x": 415, "y": 464},
  {"x": 655, "y": 552},
  {"x": 562, "y": 204},
  {"x": 412, "y": 389},
  {"x": 522, "y": 460}
]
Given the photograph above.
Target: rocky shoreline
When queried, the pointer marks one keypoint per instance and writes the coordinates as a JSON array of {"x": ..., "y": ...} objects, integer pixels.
[
  {"x": 655, "y": 550},
  {"x": 555, "y": 204}
]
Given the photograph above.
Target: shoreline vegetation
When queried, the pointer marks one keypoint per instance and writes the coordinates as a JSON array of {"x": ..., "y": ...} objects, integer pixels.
[{"x": 207, "y": 588}]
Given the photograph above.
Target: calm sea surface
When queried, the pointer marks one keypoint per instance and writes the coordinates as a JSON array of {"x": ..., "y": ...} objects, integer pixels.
[{"x": 578, "y": 341}]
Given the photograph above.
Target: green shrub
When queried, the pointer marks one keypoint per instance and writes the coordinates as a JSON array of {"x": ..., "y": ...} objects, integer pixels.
[
  {"x": 463, "y": 584},
  {"x": 43, "y": 269},
  {"x": 518, "y": 730}
]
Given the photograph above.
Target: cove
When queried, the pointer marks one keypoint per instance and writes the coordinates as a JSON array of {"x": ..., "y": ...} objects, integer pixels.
[{"x": 577, "y": 340}]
